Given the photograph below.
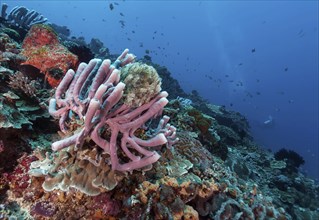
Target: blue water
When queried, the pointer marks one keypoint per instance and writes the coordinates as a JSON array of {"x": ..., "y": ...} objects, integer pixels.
[{"x": 258, "y": 58}]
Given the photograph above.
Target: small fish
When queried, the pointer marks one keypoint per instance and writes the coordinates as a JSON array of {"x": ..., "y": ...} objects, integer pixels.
[
  {"x": 122, "y": 23},
  {"x": 286, "y": 69},
  {"x": 248, "y": 94},
  {"x": 253, "y": 50},
  {"x": 147, "y": 51},
  {"x": 240, "y": 64},
  {"x": 301, "y": 33},
  {"x": 111, "y": 6},
  {"x": 281, "y": 93},
  {"x": 121, "y": 14}
]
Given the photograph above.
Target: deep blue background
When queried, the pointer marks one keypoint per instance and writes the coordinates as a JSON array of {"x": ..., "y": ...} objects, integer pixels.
[{"x": 207, "y": 45}]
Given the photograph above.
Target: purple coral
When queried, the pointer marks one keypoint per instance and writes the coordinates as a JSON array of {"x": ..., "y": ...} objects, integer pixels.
[
  {"x": 108, "y": 205},
  {"x": 44, "y": 209},
  {"x": 93, "y": 94}
]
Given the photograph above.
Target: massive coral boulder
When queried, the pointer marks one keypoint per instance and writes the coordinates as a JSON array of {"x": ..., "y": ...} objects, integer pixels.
[
  {"x": 44, "y": 51},
  {"x": 142, "y": 83}
]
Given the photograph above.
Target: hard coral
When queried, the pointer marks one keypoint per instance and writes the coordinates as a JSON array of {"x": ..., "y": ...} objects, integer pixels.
[
  {"x": 106, "y": 204},
  {"x": 9, "y": 51},
  {"x": 292, "y": 159},
  {"x": 19, "y": 178},
  {"x": 43, "y": 209},
  {"x": 19, "y": 81},
  {"x": 167, "y": 198},
  {"x": 44, "y": 51},
  {"x": 202, "y": 122},
  {"x": 84, "y": 170},
  {"x": 142, "y": 83}
]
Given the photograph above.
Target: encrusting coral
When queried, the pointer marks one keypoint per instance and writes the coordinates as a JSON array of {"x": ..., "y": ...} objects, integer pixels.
[
  {"x": 21, "y": 82},
  {"x": 43, "y": 50}
]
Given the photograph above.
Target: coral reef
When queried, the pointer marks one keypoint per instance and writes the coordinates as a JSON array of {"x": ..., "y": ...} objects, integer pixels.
[
  {"x": 109, "y": 159},
  {"x": 93, "y": 94}
]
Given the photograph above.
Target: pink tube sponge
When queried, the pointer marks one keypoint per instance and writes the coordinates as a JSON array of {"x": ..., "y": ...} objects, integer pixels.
[{"x": 118, "y": 98}]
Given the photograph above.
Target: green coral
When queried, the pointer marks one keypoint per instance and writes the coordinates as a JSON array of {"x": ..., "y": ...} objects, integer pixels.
[
  {"x": 202, "y": 122},
  {"x": 11, "y": 118}
]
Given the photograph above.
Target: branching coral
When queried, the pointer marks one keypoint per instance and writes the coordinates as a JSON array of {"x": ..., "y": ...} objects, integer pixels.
[{"x": 22, "y": 16}]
